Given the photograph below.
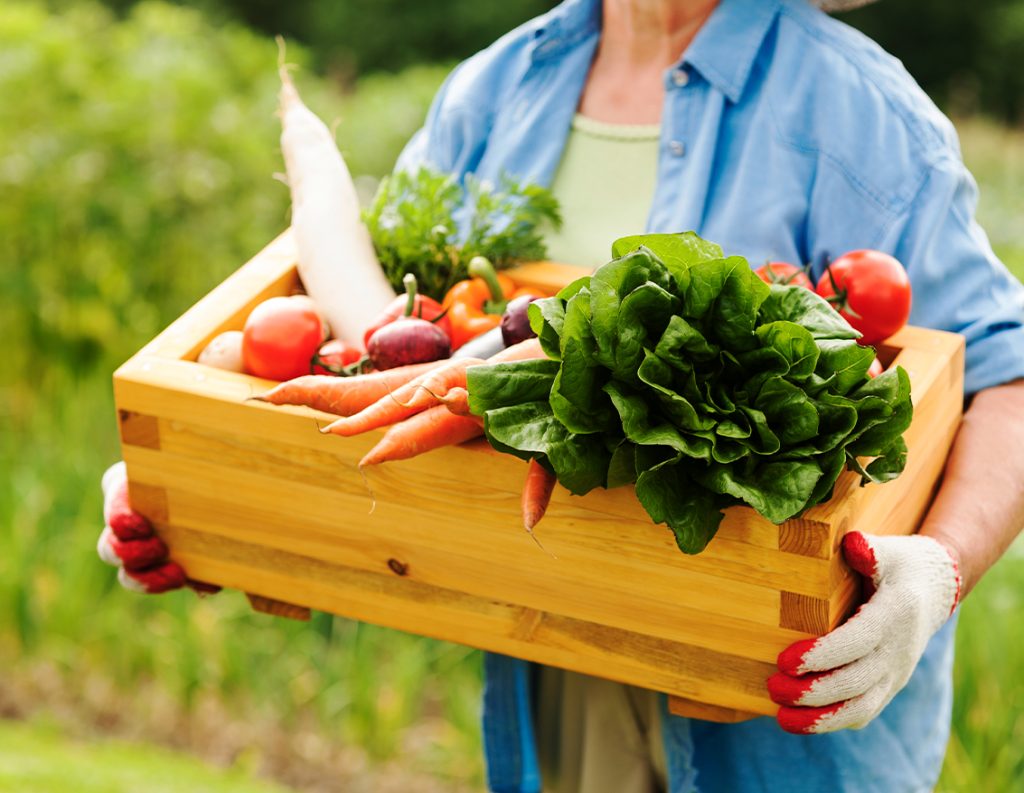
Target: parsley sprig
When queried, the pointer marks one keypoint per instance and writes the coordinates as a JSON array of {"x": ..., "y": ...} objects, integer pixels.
[{"x": 427, "y": 223}]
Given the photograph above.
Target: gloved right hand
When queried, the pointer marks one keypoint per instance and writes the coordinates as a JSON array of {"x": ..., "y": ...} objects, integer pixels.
[{"x": 128, "y": 542}]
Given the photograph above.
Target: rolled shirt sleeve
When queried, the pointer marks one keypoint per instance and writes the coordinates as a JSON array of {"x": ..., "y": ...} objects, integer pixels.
[{"x": 958, "y": 282}]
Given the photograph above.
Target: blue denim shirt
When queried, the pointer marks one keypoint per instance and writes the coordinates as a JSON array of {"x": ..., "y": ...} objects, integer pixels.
[{"x": 785, "y": 135}]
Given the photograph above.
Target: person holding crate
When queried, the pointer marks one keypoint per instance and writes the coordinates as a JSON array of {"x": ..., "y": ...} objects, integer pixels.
[{"x": 783, "y": 134}]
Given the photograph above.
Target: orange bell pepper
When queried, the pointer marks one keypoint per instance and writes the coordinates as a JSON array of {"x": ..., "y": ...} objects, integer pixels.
[{"x": 475, "y": 305}]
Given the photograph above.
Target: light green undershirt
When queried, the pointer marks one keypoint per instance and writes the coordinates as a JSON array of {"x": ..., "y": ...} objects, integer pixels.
[{"x": 604, "y": 184}]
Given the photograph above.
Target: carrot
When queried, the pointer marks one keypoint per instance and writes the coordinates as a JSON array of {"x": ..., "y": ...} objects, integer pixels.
[
  {"x": 411, "y": 398},
  {"x": 536, "y": 494},
  {"x": 523, "y": 351},
  {"x": 421, "y": 433},
  {"x": 445, "y": 378},
  {"x": 457, "y": 401},
  {"x": 342, "y": 396}
]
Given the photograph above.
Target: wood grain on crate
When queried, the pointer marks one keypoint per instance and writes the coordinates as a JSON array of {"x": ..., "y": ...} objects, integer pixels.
[{"x": 253, "y": 497}]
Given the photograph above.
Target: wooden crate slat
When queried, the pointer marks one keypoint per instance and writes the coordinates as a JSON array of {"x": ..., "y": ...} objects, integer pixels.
[
  {"x": 656, "y": 596},
  {"x": 492, "y": 625},
  {"x": 585, "y": 529}
]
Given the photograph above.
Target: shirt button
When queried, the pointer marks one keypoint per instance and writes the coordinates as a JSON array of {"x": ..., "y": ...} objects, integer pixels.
[
  {"x": 680, "y": 77},
  {"x": 677, "y": 147}
]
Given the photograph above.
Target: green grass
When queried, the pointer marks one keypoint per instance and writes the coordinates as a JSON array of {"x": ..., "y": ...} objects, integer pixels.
[
  {"x": 985, "y": 751},
  {"x": 162, "y": 193},
  {"x": 39, "y": 758}
]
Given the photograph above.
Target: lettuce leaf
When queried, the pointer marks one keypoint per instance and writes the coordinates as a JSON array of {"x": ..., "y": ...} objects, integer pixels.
[{"x": 675, "y": 368}]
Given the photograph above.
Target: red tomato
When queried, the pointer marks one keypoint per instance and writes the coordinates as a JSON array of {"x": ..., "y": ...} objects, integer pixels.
[
  {"x": 280, "y": 337},
  {"x": 334, "y": 356},
  {"x": 783, "y": 273},
  {"x": 871, "y": 290},
  {"x": 875, "y": 369}
]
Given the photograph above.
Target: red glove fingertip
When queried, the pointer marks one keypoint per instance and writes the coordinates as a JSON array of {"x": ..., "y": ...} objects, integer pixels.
[
  {"x": 788, "y": 690},
  {"x": 125, "y": 522},
  {"x": 791, "y": 659},
  {"x": 162, "y": 578},
  {"x": 139, "y": 554},
  {"x": 802, "y": 721},
  {"x": 859, "y": 554}
]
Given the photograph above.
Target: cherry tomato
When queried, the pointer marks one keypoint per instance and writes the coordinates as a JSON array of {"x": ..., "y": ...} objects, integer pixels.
[
  {"x": 871, "y": 290},
  {"x": 783, "y": 273},
  {"x": 280, "y": 337},
  {"x": 334, "y": 356}
]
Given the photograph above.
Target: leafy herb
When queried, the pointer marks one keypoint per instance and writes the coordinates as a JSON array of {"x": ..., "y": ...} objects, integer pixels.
[
  {"x": 427, "y": 223},
  {"x": 676, "y": 368}
]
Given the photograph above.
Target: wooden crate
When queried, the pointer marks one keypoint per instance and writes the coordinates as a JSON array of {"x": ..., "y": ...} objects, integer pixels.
[{"x": 253, "y": 497}]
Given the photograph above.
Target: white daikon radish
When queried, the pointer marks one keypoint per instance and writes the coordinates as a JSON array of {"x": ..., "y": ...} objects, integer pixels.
[{"x": 337, "y": 262}]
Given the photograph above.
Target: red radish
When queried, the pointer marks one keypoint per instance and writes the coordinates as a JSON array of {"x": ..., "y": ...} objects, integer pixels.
[
  {"x": 416, "y": 305},
  {"x": 875, "y": 369},
  {"x": 515, "y": 322},
  {"x": 408, "y": 339}
]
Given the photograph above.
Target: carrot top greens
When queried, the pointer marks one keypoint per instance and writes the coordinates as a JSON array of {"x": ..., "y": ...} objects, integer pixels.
[{"x": 676, "y": 368}]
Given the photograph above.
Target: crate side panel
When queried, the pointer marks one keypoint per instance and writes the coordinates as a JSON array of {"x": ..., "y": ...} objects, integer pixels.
[
  {"x": 611, "y": 586},
  {"x": 397, "y": 602},
  {"x": 215, "y": 399},
  {"x": 736, "y": 560}
]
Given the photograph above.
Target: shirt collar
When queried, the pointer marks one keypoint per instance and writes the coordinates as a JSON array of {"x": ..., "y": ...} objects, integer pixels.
[
  {"x": 564, "y": 26},
  {"x": 725, "y": 48}
]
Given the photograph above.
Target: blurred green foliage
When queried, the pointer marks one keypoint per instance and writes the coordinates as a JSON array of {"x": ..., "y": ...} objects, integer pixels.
[
  {"x": 968, "y": 56},
  {"x": 136, "y": 161},
  {"x": 137, "y": 165}
]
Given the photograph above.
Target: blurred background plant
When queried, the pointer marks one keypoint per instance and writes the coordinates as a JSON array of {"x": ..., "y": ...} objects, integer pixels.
[{"x": 138, "y": 145}]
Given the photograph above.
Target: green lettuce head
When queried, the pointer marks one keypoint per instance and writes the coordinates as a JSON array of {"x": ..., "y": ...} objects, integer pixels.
[{"x": 676, "y": 368}]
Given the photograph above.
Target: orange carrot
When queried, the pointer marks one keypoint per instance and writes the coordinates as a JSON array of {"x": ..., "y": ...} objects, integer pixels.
[
  {"x": 523, "y": 351},
  {"x": 536, "y": 494},
  {"x": 457, "y": 401},
  {"x": 436, "y": 385},
  {"x": 411, "y": 398},
  {"x": 421, "y": 433},
  {"x": 342, "y": 396}
]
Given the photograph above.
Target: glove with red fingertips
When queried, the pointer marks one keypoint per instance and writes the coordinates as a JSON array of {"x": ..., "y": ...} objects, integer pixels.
[
  {"x": 128, "y": 542},
  {"x": 846, "y": 678}
]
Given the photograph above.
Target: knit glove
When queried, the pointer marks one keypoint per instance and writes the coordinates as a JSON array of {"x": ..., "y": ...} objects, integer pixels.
[
  {"x": 847, "y": 677},
  {"x": 128, "y": 541}
]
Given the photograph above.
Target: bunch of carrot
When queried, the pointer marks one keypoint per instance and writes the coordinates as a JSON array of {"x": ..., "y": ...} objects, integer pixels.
[{"x": 424, "y": 406}]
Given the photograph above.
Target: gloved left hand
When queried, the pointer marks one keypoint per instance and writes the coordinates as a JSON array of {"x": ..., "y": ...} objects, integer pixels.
[
  {"x": 128, "y": 542},
  {"x": 845, "y": 678}
]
